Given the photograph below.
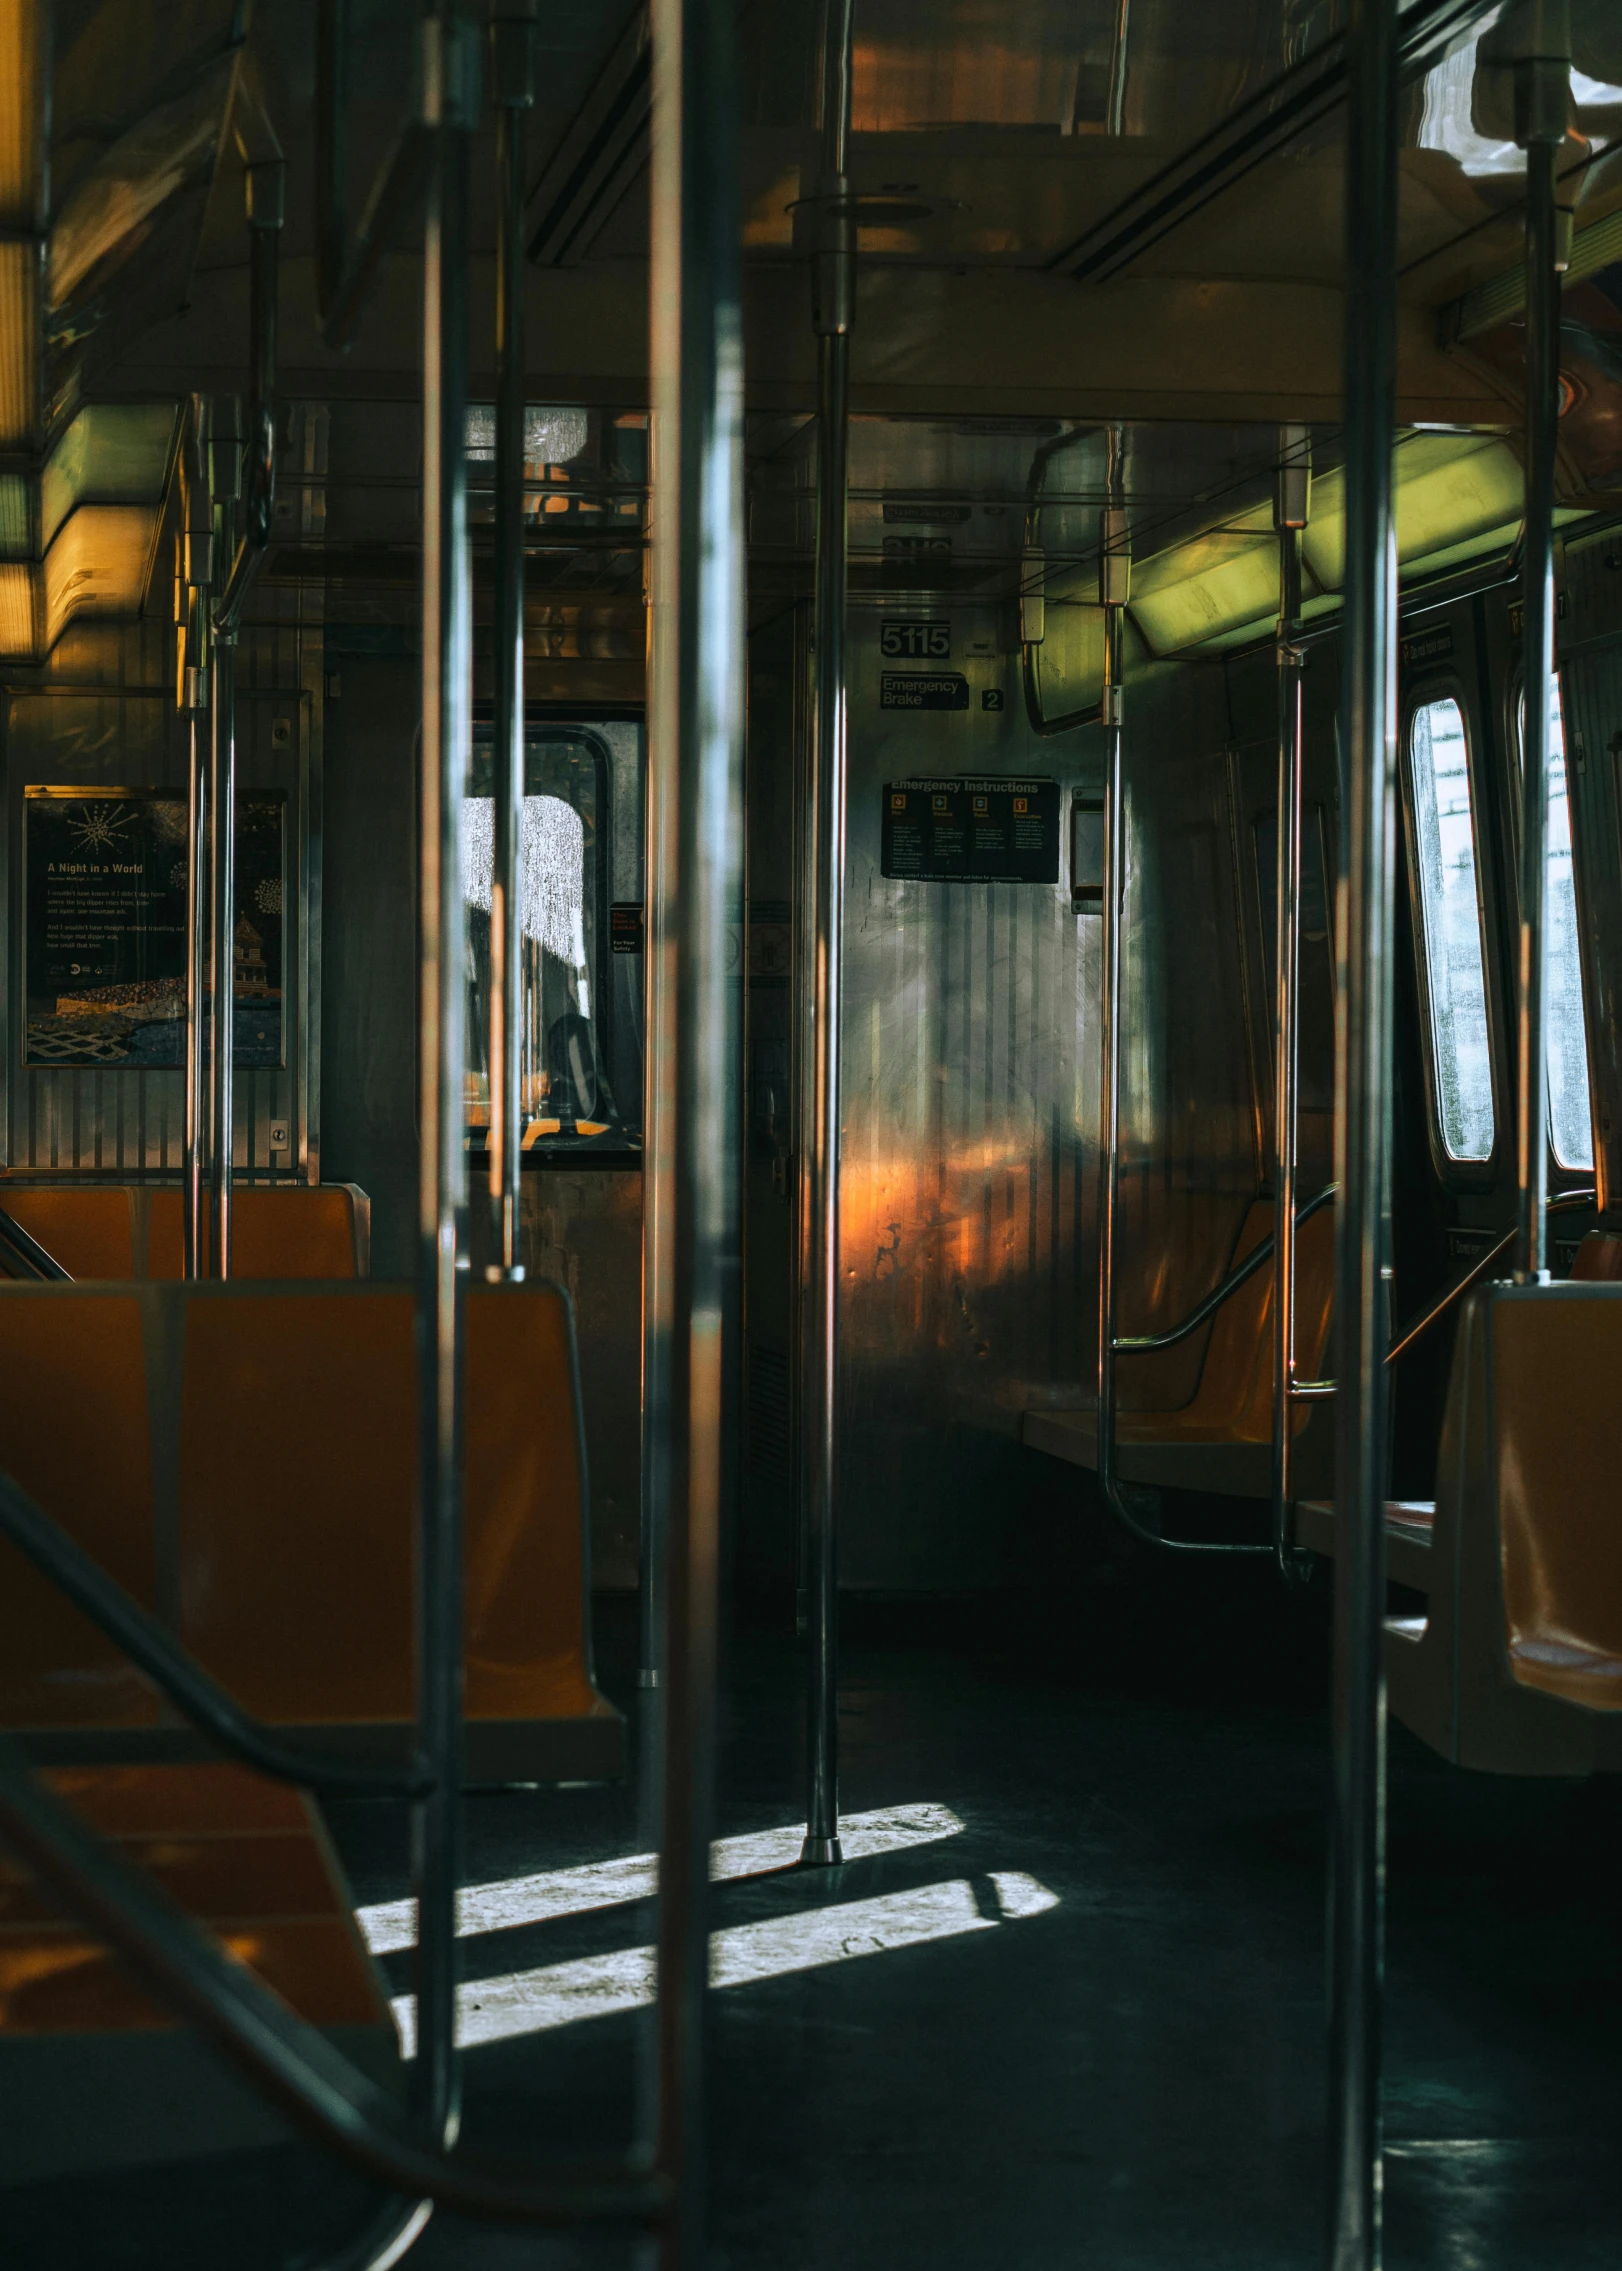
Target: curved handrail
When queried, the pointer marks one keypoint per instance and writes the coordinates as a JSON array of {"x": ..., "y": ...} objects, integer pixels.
[
  {"x": 24, "y": 1247},
  {"x": 181, "y": 1678},
  {"x": 1564, "y": 1202},
  {"x": 1143, "y": 1344},
  {"x": 291, "y": 2060}
]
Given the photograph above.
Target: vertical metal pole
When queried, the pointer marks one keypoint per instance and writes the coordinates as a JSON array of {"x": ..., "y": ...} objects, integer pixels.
[
  {"x": 450, "y": 99},
  {"x": 1362, "y": 1145},
  {"x": 197, "y": 839},
  {"x": 698, "y": 724},
  {"x": 222, "y": 807},
  {"x": 1117, "y": 67},
  {"x": 196, "y": 580},
  {"x": 834, "y": 311},
  {"x": 659, "y": 1093},
  {"x": 511, "y": 49},
  {"x": 1109, "y": 1087},
  {"x": 1114, "y": 573},
  {"x": 1290, "y": 516},
  {"x": 1542, "y": 97}
]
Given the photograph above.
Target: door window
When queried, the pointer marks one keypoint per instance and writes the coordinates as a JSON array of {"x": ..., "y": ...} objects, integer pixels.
[
  {"x": 1450, "y": 925},
  {"x": 1565, "y": 1044}
]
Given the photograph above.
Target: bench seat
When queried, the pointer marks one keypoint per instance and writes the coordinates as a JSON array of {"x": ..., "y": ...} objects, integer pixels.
[{"x": 243, "y": 1459}]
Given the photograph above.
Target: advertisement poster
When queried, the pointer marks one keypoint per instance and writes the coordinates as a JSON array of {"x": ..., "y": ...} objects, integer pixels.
[{"x": 105, "y": 928}]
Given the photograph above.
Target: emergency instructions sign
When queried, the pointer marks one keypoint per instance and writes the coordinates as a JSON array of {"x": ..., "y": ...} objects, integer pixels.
[{"x": 971, "y": 831}]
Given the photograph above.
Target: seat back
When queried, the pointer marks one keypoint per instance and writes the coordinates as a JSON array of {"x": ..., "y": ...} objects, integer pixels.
[
  {"x": 296, "y": 1539},
  {"x": 135, "y": 1230},
  {"x": 278, "y": 1230},
  {"x": 1235, "y": 1392},
  {"x": 75, "y": 1432},
  {"x": 267, "y": 1505},
  {"x": 88, "y": 1227},
  {"x": 1556, "y": 1387},
  {"x": 1599, "y": 1259}
]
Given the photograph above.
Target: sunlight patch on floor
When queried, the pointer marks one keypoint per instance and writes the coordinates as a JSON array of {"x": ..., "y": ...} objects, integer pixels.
[
  {"x": 391, "y": 1925},
  {"x": 594, "y": 1987}
]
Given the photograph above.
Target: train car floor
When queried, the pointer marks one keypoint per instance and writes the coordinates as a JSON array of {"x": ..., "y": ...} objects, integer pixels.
[{"x": 1063, "y": 2004}]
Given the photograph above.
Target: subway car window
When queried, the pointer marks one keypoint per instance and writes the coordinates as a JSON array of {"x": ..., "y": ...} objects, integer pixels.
[
  {"x": 1450, "y": 925},
  {"x": 576, "y": 1086},
  {"x": 1571, "y": 1125}
]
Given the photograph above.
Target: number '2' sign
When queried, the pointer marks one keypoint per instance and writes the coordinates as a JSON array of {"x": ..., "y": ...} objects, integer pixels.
[{"x": 915, "y": 641}]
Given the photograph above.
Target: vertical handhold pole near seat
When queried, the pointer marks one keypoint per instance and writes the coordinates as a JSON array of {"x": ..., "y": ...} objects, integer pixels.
[
  {"x": 450, "y": 103},
  {"x": 1115, "y": 593},
  {"x": 244, "y": 548},
  {"x": 1114, "y": 590},
  {"x": 697, "y": 742},
  {"x": 1539, "y": 36},
  {"x": 833, "y": 314},
  {"x": 193, "y": 605},
  {"x": 1363, "y": 1142},
  {"x": 1289, "y": 518},
  {"x": 225, "y": 480},
  {"x": 512, "y": 38}
]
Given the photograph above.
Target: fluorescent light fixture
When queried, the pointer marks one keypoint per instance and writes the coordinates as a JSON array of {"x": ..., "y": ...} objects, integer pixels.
[
  {"x": 20, "y": 138},
  {"x": 594, "y": 1987},
  {"x": 97, "y": 565},
  {"x": 391, "y": 1925},
  {"x": 18, "y": 595},
  {"x": 1457, "y": 496},
  {"x": 19, "y": 344},
  {"x": 114, "y": 453},
  {"x": 14, "y": 533}
]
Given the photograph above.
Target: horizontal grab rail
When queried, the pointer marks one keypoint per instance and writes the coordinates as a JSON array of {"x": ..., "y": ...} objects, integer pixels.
[
  {"x": 1564, "y": 1202},
  {"x": 24, "y": 1247},
  {"x": 1144, "y": 1343},
  {"x": 291, "y": 2060},
  {"x": 180, "y": 1677}
]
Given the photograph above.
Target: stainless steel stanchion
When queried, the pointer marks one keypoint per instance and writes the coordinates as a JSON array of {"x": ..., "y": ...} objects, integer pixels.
[
  {"x": 834, "y": 311},
  {"x": 222, "y": 807},
  {"x": 450, "y": 108},
  {"x": 1290, "y": 518},
  {"x": 194, "y": 599},
  {"x": 512, "y": 40},
  {"x": 1542, "y": 103},
  {"x": 697, "y": 727},
  {"x": 225, "y": 485},
  {"x": 1362, "y": 1143},
  {"x": 1112, "y": 530}
]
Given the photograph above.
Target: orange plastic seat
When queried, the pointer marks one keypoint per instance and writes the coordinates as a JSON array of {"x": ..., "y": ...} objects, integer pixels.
[
  {"x": 74, "y": 1433},
  {"x": 1557, "y": 1367},
  {"x": 1221, "y": 1438},
  {"x": 88, "y": 1227},
  {"x": 95, "y": 2072},
  {"x": 1599, "y": 1259},
  {"x": 271, "y": 1437},
  {"x": 295, "y": 1543},
  {"x": 1515, "y": 1666},
  {"x": 278, "y": 1230},
  {"x": 137, "y": 1230}
]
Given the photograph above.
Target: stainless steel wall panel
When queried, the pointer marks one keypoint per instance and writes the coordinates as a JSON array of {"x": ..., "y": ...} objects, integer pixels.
[
  {"x": 970, "y": 1070},
  {"x": 585, "y": 1231}
]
